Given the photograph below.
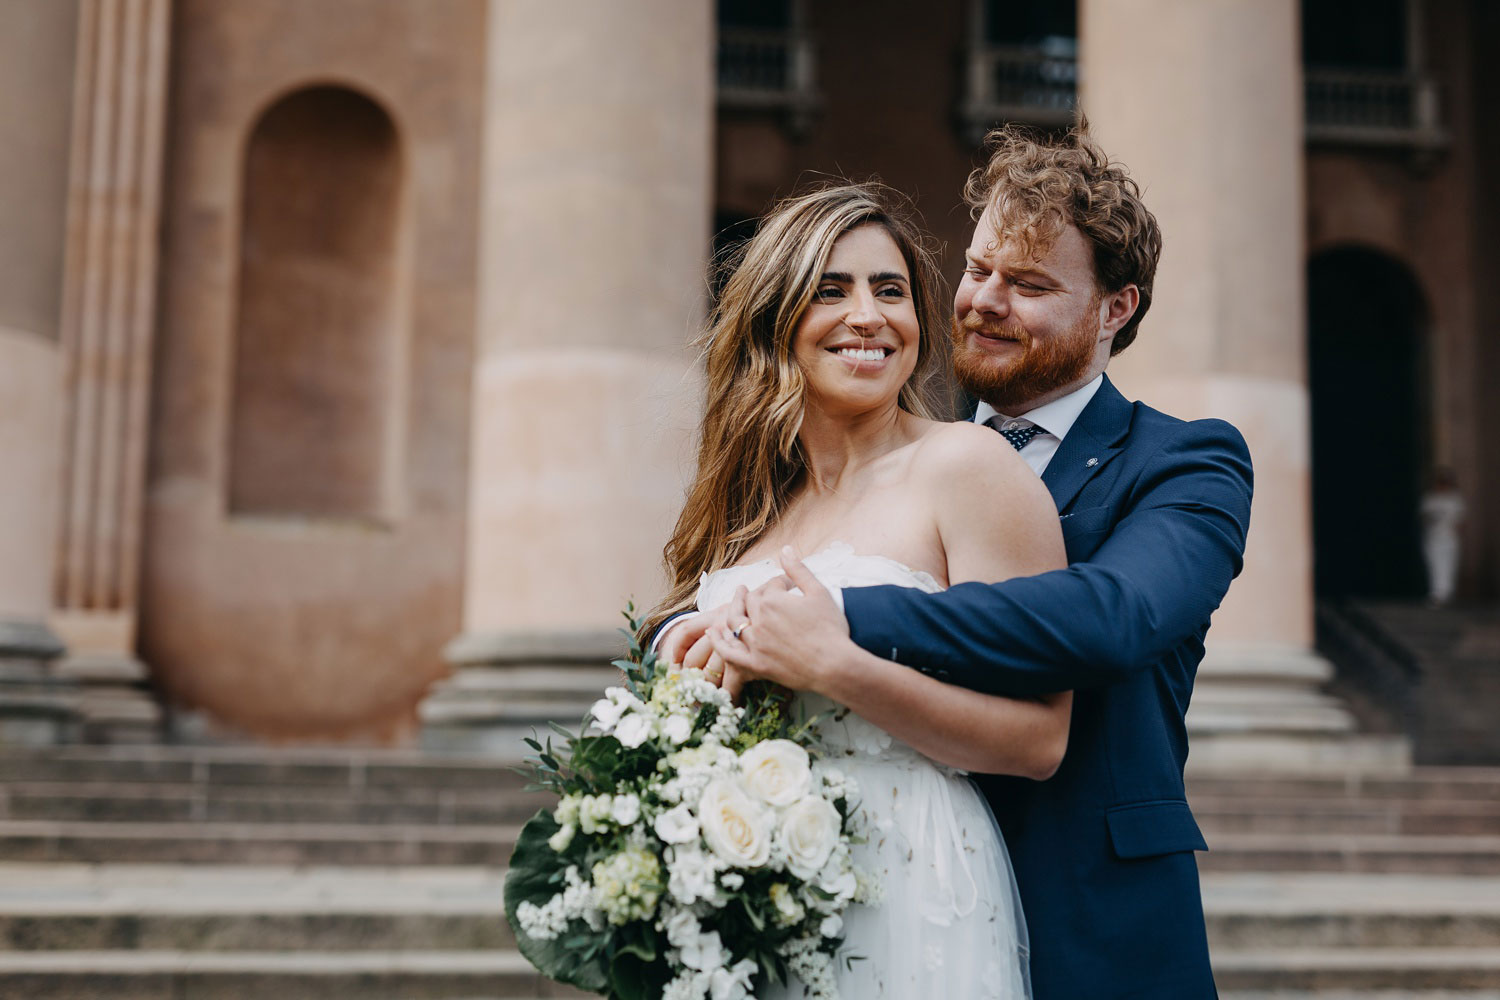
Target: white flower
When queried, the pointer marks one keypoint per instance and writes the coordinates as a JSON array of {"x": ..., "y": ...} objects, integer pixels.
[
  {"x": 788, "y": 910},
  {"x": 831, "y": 925},
  {"x": 842, "y": 886},
  {"x": 677, "y": 825},
  {"x": 776, "y": 771},
  {"x": 560, "y": 840},
  {"x": 731, "y": 880},
  {"x": 677, "y": 729},
  {"x": 736, "y": 827},
  {"x": 594, "y": 811},
  {"x": 732, "y": 983},
  {"x": 706, "y": 953},
  {"x": 809, "y": 831},
  {"x": 682, "y": 928},
  {"x": 566, "y": 812},
  {"x": 627, "y": 885},
  {"x": 689, "y": 985},
  {"x": 615, "y": 703},
  {"x": 626, "y": 809},
  {"x": 634, "y": 729},
  {"x": 690, "y": 874}
]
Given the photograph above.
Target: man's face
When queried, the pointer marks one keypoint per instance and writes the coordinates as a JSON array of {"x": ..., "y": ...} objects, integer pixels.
[{"x": 1027, "y": 331}]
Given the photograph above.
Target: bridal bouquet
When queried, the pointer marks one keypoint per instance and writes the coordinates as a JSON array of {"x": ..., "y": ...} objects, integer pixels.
[{"x": 697, "y": 849}]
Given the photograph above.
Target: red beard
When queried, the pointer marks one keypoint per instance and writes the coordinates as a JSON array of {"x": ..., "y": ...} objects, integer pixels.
[{"x": 1044, "y": 366}]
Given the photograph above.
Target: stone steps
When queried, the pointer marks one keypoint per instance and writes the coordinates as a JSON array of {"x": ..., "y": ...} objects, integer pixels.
[
  {"x": 1447, "y": 783},
  {"x": 1360, "y": 969},
  {"x": 308, "y": 975},
  {"x": 173, "y": 802},
  {"x": 246, "y": 843},
  {"x": 1364, "y": 853},
  {"x": 1434, "y": 817},
  {"x": 263, "y": 767}
]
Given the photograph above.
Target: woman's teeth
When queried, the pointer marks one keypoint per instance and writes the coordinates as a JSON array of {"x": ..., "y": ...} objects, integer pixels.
[{"x": 857, "y": 354}]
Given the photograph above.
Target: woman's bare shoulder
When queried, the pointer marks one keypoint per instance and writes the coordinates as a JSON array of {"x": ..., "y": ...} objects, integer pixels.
[{"x": 969, "y": 452}]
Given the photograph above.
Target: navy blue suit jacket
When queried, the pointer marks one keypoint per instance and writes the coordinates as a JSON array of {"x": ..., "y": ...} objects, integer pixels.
[{"x": 1154, "y": 512}]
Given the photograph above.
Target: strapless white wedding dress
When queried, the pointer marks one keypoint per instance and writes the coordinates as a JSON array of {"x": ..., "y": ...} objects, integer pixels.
[{"x": 950, "y": 923}]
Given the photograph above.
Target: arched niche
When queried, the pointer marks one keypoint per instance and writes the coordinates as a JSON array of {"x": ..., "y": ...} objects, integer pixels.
[
  {"x": 315, "y": 376},
  {"x": 1368, "y": 380}
]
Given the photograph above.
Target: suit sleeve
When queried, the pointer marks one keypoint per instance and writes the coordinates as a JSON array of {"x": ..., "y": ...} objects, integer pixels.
[{"x": 1149, "y": 587}]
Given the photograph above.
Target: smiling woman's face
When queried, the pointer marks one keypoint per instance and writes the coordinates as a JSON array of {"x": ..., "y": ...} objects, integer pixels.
[{"x": 857, "y": 342}]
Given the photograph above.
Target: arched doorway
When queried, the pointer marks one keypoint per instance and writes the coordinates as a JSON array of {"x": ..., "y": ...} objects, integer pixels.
[{"x": 1367, "y": 376}]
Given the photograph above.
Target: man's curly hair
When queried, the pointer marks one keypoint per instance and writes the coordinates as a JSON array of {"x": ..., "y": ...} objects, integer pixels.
[{"x": 1037, "y": 184}]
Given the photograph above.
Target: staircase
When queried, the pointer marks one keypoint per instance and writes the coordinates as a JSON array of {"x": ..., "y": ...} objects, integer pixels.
[
  {"x": 1433, "y": 673},
  {"x": 222, "y": 874},
  {"x": 1361, "y": 887},
  {"x": 216, "y": 874}
]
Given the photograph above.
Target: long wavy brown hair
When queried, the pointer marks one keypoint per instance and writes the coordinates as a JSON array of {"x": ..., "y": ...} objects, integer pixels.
[{"x": 750, "y": 462}]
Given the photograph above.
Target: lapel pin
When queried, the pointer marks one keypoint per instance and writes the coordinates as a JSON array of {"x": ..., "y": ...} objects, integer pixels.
[{"x": 1091, "y": 463}]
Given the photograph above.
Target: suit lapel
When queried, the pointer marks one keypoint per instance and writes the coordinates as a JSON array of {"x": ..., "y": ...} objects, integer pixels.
[{"x": 1097, "y": 436}]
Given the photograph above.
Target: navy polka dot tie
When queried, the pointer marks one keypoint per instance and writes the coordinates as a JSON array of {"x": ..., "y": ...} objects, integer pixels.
[{"x": 1020, "y": 437}]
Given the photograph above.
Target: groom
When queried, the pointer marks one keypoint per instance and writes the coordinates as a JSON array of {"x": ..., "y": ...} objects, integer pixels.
[{"x": 1153, "y": 512}]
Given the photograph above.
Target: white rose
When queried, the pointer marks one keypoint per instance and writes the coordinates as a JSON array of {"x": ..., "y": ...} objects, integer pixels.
[
  {"x": 776, "y": 771},
  {"x": 677, "y": 825},
  {"x": 626, "y": 809},
  {"x": 677, "y": 729},
  {"x": 809, "y": 831},
  {"x": 737, "y": 828},
  {"x": 831, "y": 925},
  {"x": 706, "y": 953},
  {"x": 633, "y": 730}
]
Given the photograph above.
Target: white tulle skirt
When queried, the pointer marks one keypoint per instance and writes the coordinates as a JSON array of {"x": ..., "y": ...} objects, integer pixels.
[{"x": 950, "y": 924}]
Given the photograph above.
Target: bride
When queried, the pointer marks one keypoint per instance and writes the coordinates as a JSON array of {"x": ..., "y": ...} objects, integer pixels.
[{"x": 819, "y": 436}]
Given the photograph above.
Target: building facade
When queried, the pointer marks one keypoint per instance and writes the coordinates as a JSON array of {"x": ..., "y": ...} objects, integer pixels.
[{"x": 344, "y": 344}]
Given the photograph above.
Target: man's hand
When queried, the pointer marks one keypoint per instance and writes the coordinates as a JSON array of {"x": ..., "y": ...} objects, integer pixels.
[{"x": 796, "y": 640}]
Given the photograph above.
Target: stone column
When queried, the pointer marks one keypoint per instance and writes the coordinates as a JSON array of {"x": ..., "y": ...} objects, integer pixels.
[
  {"x": 36, "y": 59},
  {"x": 594, "y": 234},
  {"x": 108, "y": 318},
  {"x": 1203, "y": 102}
]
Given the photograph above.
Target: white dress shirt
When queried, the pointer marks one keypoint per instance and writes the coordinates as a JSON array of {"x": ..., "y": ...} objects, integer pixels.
[{"x": 1055, "y": 419}]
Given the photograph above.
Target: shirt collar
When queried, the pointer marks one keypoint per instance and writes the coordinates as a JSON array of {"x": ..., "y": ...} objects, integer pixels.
[{"x": 1056, "y": 417}]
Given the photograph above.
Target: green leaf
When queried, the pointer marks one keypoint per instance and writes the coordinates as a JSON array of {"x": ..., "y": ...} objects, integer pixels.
[{"x": 533, "y": 868}]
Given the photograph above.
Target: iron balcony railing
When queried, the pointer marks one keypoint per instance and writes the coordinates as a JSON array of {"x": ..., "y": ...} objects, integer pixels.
[
  {"x": 1372, "y": 108},
  {"x": 1019, "y": 83},
  {"x": 1039, "y": 85},
  {"x": 772, "y": 70}
]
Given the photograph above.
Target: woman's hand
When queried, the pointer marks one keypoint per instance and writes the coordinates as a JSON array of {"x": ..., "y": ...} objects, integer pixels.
[
  {"x": 796, "y": 640},
  {"x": 692, "y": 635}
]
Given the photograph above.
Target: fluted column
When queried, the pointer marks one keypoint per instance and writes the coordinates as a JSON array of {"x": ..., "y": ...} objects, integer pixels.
[
  {"x": 1203, "y": 102},
  {"x": 594, "y": 232},
  {"x": 108, "y": 318}
]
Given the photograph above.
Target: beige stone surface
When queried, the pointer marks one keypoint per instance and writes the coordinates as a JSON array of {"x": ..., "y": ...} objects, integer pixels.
[
  {"x": 592, "y": 446},
  {"x": 293, "y": 625},
  {"x": 1205, "y": 109},
  {"x": 30, "y": 432},
  {"x": 595, "y": 226},
  {"x": 36, "y": 85}
]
